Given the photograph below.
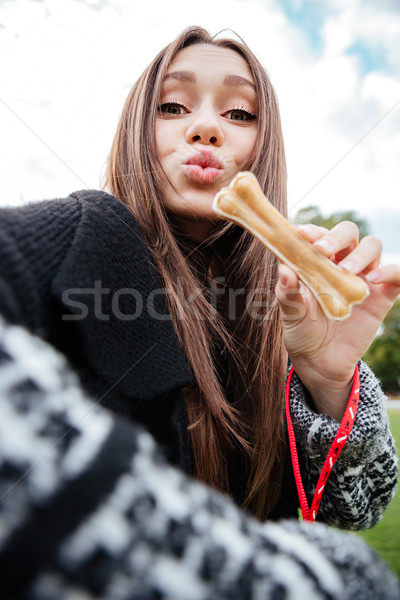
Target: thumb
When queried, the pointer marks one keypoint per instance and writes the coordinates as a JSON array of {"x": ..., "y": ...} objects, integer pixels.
[{"x": 290, "y": 296}]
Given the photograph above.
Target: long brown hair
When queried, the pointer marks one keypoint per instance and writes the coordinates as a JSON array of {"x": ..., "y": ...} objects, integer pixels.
[{"x": 243, "y": 414}]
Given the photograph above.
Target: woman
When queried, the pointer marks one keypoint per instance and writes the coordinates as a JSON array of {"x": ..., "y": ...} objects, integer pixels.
[{"x": 196, "y": 344}]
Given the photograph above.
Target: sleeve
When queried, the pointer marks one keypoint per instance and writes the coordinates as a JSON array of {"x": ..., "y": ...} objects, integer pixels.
[
  {"x": 34, "y": 240},
  {"x": 89, "y": 509},
  {"x": 363, "y": 480}
]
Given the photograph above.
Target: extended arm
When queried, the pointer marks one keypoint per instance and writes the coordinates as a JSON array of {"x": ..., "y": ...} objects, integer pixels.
[
  {"x": 88, "y": 508},
  {"x": 34, "y": 240}
]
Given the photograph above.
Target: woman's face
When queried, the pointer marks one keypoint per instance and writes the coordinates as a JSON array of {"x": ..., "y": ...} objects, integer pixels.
[{"x": 205, "y": 130}]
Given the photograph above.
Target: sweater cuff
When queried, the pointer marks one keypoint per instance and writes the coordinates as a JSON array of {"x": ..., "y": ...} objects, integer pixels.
[{"x": 315, "y": 432}]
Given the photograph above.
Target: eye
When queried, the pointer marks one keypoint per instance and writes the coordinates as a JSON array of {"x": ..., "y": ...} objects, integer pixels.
[
  {"x": 172, "y": 108},
  {"x": 239, "y": 114}
]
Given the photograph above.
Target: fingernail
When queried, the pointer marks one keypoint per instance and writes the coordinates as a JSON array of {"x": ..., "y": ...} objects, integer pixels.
[
  {"x": 374, "y": 276},
  {"x": 308, "y": 229},
  {"x": 282, "y": 279},
  {"x": 348, "y": 265},
  {"x": 324, "y": 244}
]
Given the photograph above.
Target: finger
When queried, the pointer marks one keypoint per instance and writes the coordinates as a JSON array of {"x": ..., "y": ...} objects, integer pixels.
[
  {"x": 341, "y": 238},
  {"x": 287, "y": 280},
  {"x": 365, "y": 257},
  {"x": 388, "y": 275},
  {"x": 289, "y": 295},
  {"x": 312, "y": 232}
]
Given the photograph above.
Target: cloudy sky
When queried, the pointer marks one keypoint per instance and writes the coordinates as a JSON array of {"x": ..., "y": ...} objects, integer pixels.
[{"x": 66, "y": 67}]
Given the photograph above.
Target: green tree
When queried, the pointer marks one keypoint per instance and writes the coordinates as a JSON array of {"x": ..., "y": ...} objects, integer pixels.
[
  {"x": 383, "y": 356},
  {"x": 312, "y": 214}
]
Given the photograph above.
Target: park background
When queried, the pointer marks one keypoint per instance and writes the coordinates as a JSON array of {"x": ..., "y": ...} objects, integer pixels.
[{"x": 66, "y": 67}]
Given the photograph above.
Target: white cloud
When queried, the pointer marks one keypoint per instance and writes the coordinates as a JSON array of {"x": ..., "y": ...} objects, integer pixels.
[{"x": 337, "y": 115}]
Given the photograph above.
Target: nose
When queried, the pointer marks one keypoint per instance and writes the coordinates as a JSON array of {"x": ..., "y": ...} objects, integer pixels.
[{"x": 205, "y": 128}]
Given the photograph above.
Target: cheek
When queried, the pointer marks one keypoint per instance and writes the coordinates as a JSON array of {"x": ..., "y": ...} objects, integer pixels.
[
  {"x": 159, "y": 136},
  {"x": 165, "y": 136},
  {"x": 251, "y": 142},
  {"x": 245, "y": 143}
]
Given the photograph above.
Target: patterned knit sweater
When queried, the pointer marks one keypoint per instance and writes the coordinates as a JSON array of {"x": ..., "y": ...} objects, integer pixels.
[
  {"x": 89, "y": 509},
  {"x": 76, "y": 271}
]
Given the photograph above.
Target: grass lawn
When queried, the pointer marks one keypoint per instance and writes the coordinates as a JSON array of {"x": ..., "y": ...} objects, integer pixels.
[{"x": 385, "y": 537}]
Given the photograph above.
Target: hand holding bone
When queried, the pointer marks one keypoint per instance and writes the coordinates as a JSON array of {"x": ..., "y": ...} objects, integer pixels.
[{"x": 329, "y": 323}]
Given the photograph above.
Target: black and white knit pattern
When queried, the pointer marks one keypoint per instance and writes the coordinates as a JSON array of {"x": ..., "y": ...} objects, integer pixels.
[
  {"x": 361, "y": 483},
  {"x": 89, "y": 509}
]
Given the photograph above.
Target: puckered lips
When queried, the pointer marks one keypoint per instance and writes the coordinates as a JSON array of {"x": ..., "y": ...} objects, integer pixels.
[{"x": 203, "y": 167}]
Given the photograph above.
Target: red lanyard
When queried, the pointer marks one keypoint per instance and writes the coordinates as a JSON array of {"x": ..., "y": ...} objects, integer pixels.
[{"x": 341, "y": 437}]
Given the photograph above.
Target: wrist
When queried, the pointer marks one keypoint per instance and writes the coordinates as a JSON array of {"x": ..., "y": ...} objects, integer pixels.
[{"x": 329, "y": 393}]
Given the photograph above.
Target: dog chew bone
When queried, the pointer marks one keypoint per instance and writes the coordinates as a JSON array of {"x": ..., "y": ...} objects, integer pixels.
[{"x": 244, "y": 203}]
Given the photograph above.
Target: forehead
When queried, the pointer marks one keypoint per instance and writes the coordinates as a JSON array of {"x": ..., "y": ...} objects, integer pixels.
[{"x": 206, "y": 56}]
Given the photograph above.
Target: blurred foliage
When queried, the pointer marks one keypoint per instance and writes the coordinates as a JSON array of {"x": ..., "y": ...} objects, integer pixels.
[
  {"x": 312, "y": 214},
  {"x": 385, "y": 537},
  {"x": 383, "y": 356}
]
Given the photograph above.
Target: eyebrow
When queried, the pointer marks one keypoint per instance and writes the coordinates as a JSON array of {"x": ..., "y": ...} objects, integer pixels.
[
  {"x": 181, "y": 76},
  {"x": 190, "y": 77},
  {"x": 235, "y": 80}
]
